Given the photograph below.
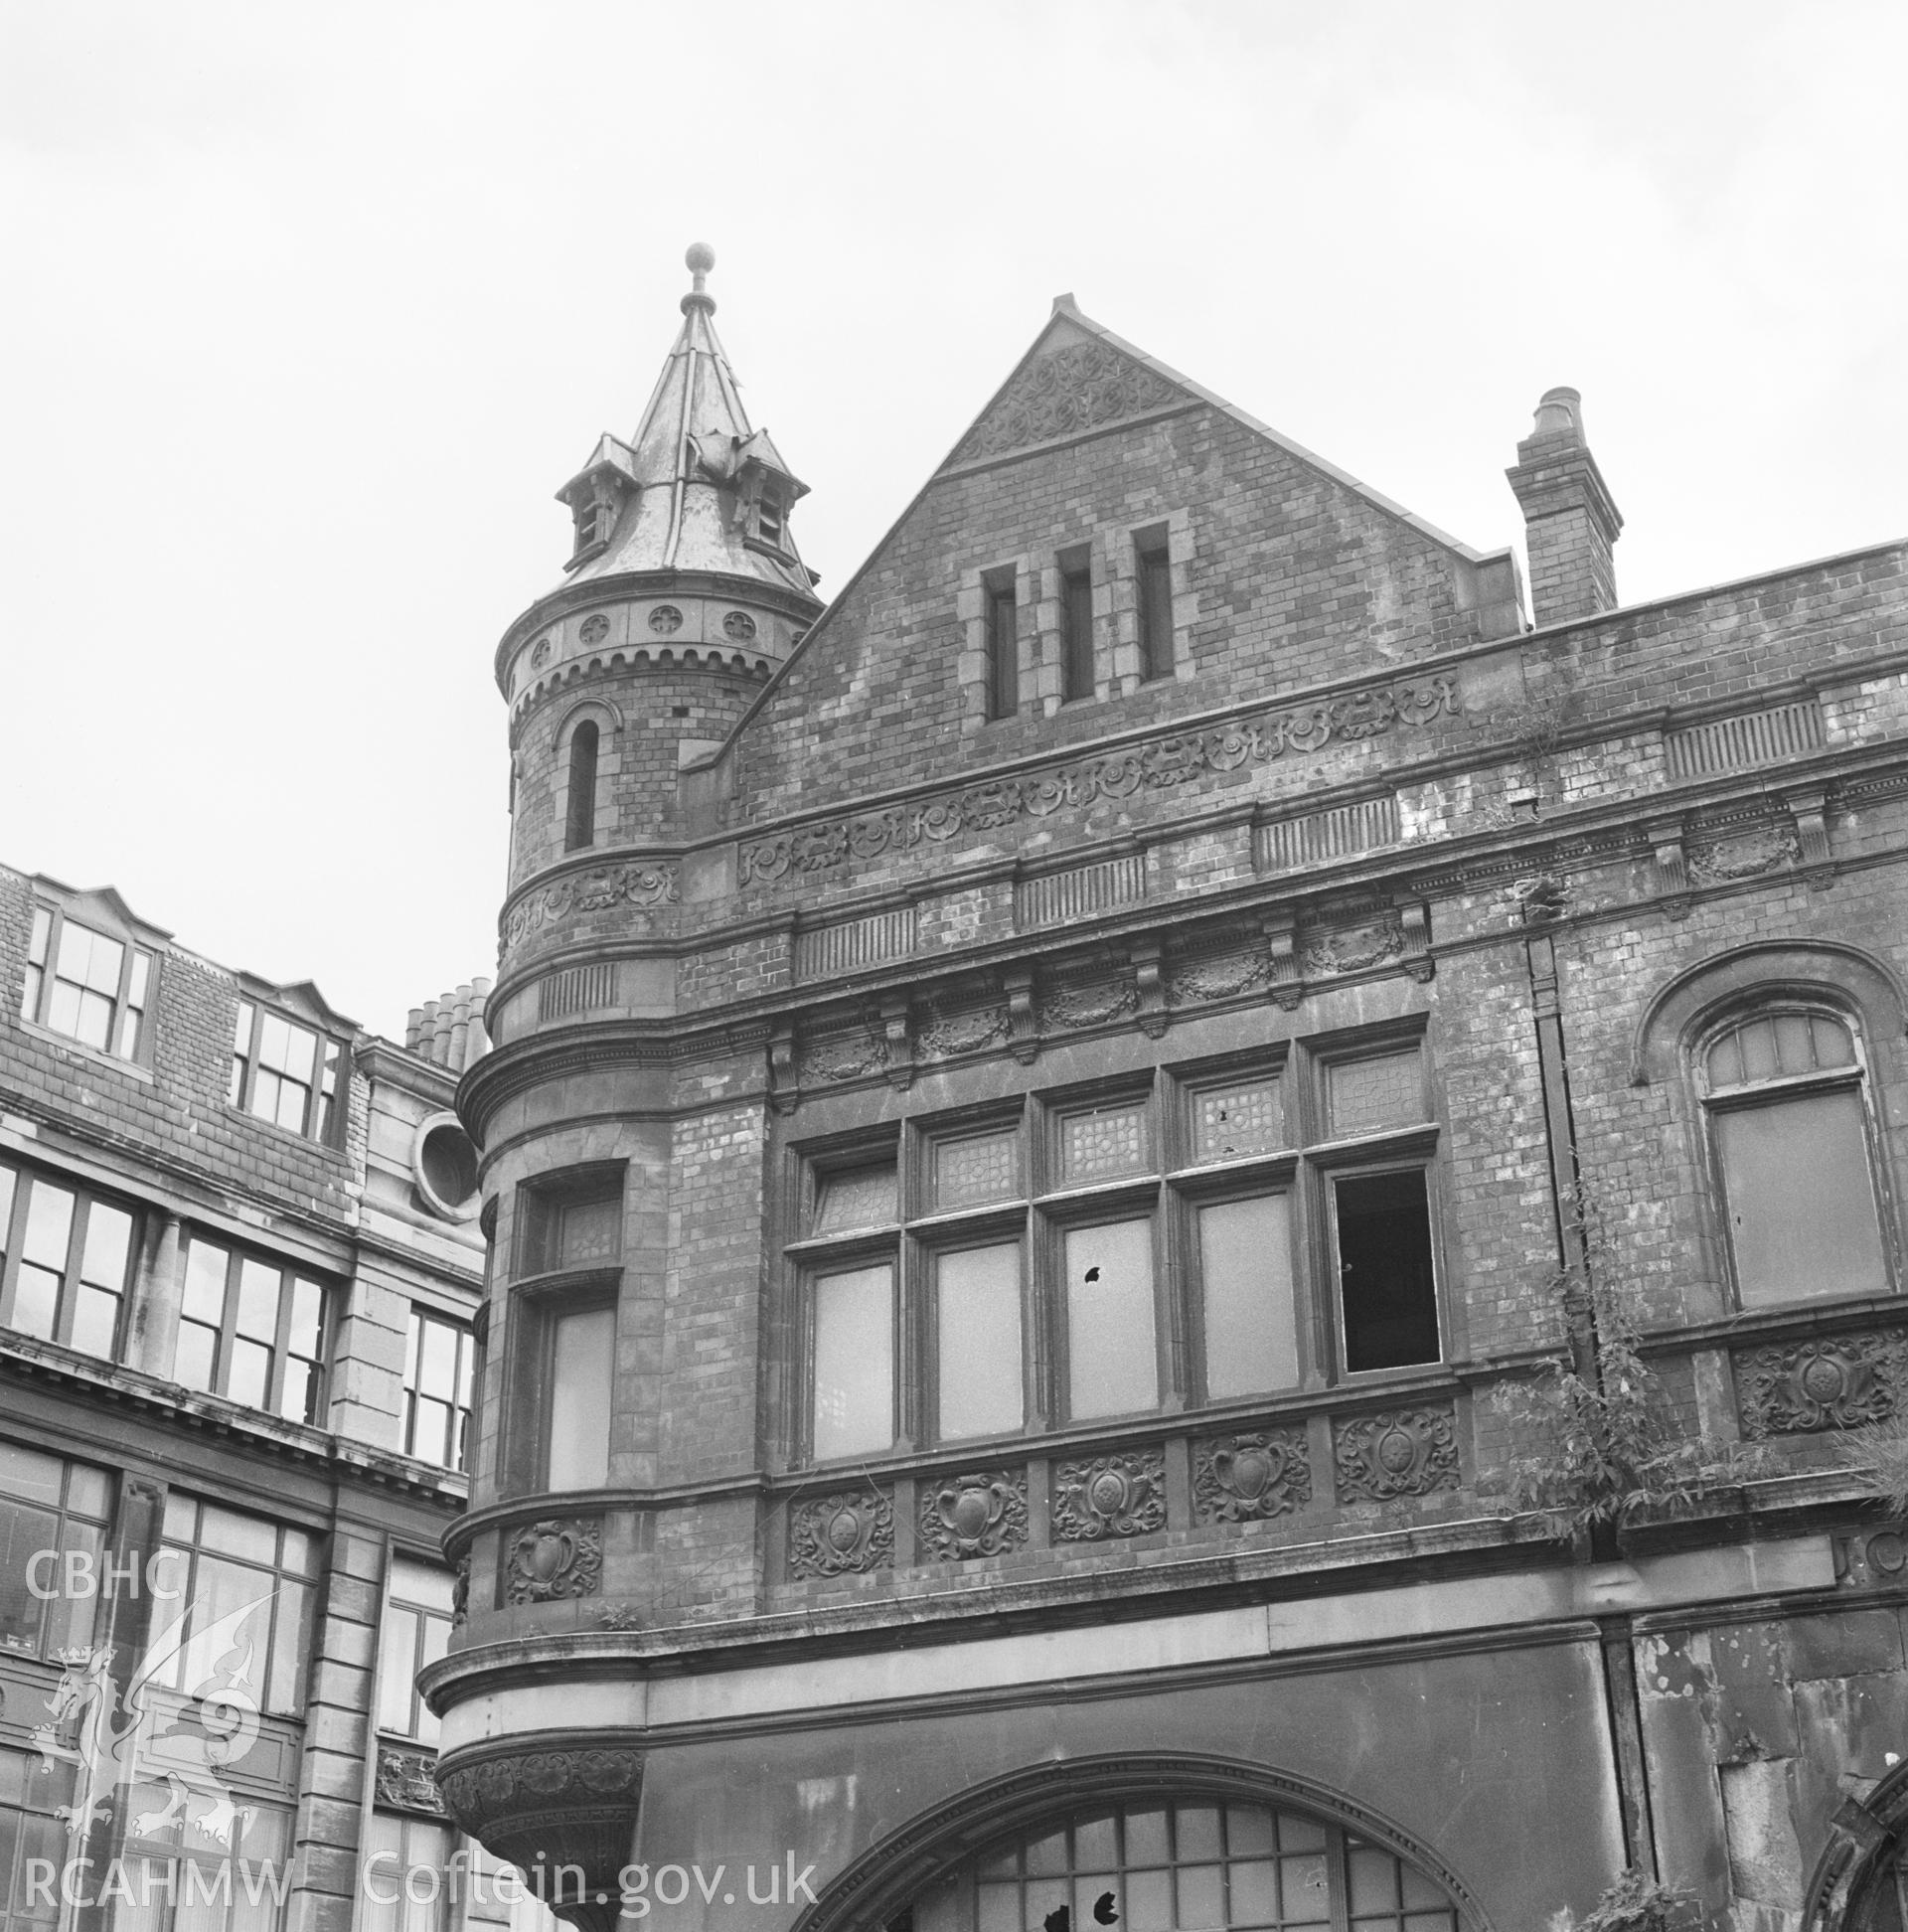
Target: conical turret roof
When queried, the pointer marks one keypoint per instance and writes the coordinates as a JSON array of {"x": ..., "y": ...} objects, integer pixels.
[{"x": 696, "y": 488}]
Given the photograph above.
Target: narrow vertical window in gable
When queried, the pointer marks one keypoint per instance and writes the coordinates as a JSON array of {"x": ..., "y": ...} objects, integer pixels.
[
  {"x": 1077, "y": 628},
  {"x": 1155, "y": 588},
  {"x": 1003, "y": 653}
]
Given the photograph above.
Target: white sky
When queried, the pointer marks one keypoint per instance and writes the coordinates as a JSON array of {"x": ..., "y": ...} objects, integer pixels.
[{"x": 308, "y": 310}]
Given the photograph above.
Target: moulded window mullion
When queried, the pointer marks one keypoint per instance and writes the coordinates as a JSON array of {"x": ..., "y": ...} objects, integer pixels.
[
  {"x": 1338, "y": 1889},
  {"x": 227, "y": 1321},
  {"x": 69, "y": 1273},
  {"x": 14, "y": 1233},
  {"x": 281, "y": 1344}
]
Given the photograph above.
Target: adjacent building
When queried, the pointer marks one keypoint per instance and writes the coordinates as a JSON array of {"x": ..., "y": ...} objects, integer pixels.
[{"x": 1040, "y": 1117}]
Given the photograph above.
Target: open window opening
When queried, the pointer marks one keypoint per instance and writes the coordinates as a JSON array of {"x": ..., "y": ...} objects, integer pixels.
[{"x": 1387, "y": 1287}]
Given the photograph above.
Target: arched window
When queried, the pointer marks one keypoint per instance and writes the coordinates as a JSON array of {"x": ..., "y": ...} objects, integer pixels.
[
  {"x": 1152, "y": 1866},
  {"x": 1784, "y": 1089},
  {"x": 580, "y": 825}
]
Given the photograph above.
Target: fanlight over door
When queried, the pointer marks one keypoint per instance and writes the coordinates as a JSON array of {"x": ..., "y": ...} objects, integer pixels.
[{"x": 1185, "y": 1867}]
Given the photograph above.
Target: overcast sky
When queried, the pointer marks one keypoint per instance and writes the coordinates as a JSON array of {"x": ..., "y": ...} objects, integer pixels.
[{"x": 308, "y": 310}]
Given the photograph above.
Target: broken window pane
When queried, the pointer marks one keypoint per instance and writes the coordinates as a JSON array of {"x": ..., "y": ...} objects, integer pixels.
[
  {"x": 1111, "y": 1363},
  {"x": 1800, "y": 1199},
  {"x": 1387, "y": 1290},
  {"x": 978, "y": 1340},
  {"x": 1246, "y": 1263},
  {"x": 854, "y": 1411}
]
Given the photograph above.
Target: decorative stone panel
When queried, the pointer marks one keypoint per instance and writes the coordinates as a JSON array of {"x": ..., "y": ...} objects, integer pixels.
[
  {"x": 644, "y": 886},
  {"x": 1872, "y": 1559},
  {"x": 1350, "y": 949},
  {"x": 1110, "y": 1495},
  {"x": 1739, "y": 743},
  {"x": 832, "y": 1535},
  {"x": 406, "y": 1780},
  {"x": 946, "y": 1034},
  {"x": 543, "y": 1810},
  {"x": 1318, "y": 837},
  {"x": 1251, "y": 1477},
  {"x": 552, "y": 1558},
  {"x": 1056, "y": 899},
  {"x": 1837, "y": 1382},
  {"x": 1066, "y": 393},
  {"x": 1402, "y": 1452},
  {"x": 980, "y": 1514}
]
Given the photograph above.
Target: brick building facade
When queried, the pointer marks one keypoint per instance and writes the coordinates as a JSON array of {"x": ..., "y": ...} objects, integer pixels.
[
  {"x": 1042, "y": 1118},
  {"x": 1078, "y": 1149}
]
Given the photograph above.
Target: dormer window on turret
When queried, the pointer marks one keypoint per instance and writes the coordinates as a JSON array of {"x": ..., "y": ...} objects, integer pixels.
[{"x": 596, "y": 496}]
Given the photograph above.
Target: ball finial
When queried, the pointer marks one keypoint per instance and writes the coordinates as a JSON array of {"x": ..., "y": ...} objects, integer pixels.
[{"x": 699, "y": 259}]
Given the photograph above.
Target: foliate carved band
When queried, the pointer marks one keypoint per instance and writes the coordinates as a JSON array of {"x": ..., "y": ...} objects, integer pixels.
[
  {"x": 1835, "y": 1383},
  {"x": 1158, "y": 766},
  {"x": 556, "y": 1557},
  {"x": 644, "y": 886},
  {"x": 1405, "y": 1451},
  {"x": 980, "y": 1514},
  {"x": 831, "y": 1536},
  {"x": 406, "y": 1780},
  {"x": 1110, "y": 1495},
  {"x": 1251, "y": 1478}
]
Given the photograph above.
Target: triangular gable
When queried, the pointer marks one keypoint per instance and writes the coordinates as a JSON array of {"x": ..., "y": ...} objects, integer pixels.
[
  {"x": 101, "y": 906},
  {"x": 1073, "y": 382},
  {"x": 302, "y": 1000}
]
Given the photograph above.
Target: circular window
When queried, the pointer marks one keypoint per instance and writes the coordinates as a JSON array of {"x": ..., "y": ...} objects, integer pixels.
[
  {"x": 665, "y": 619},
  {"x": 444, "y": 1163},
  {"x": 594, "y": 629},
  {"x": 739, "y": 625},
  {"x": 540, "y": 654}
]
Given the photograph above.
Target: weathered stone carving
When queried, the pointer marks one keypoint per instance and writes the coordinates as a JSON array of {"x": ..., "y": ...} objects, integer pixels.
[
  {"x": 1354, "y": 947},
  {"x": 665, "y": 619},
  {"x": 1251, "y": 1477},
  {"x": 1403, "y": 1452},
  {"x": 542, "y": 1811},
  {"x": 1164, "y": 763},
  {"x": 845, "y": 1056},
  {"x": 1745, "y": 856},
  {"x": 965, "y": 1033},
  {"x": 740, "y": 626},
  {"x": 595, "y": 890},
  {"x": 1836, "y": 1382},
  {"x": 594, "y": 629},
  {"x": 552, "y": 1558},
  {"x": 1871, "y": 1561},
  {"x": 980, "y": 1514},
  {"x": 829, "y": 1536},
  {"x": 1217, "y": 978},
  {"x": 1090, "y": 1005},
  {"x": 1110, "y": 1495},
  {"x": 406, "y": 1780},
  {"x": 460, "y": 1591},
  {"x": 1063, "y": 393},
  {"x": 540, "y": 654}
]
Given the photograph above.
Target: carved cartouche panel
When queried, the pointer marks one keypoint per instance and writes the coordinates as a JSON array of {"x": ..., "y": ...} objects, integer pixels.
[
  {"x": 554, "y": 1557},
  {"x": 831, "y": 1536},
  {"x": 982, "y": 1513},
  {"x": 1836, "y": 1382},
  {"x": 1403, "y": 1452},
  {"x": 1251, "y": 1477},
  {"x": 1110, "y": 1495},
  {"x": 406, "y": 1780}
]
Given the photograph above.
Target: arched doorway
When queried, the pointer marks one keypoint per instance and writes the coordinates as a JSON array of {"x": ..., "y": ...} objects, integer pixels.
[{"x": 1146, "y": 1844}]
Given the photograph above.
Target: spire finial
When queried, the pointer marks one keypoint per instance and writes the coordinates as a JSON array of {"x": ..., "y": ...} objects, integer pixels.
[{"x": 699, "y": 259}]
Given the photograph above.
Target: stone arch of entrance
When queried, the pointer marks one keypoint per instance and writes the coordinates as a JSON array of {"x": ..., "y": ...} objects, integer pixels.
[
  {"x": 1860, "y": 1882},
  {"x": 885, "y": 1879}
]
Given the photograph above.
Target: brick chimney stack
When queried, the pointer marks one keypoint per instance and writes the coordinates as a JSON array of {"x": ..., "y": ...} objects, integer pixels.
[{"x": 1570, "y": 520}]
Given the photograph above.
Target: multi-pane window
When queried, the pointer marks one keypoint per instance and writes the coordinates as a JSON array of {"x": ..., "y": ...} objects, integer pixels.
[
  {"x": 87, "y": 984},
  {"x": 437, "y": 1369},
  {"x": 567, "y": 1226},
  {"x": 1077, "y": 628},
  {"x": 66, "y": 1262},
  {"x": 188, "y": 1876},
  {"x": 1003, "y": 651},
  {"x": 1154, "y": 593},
  {"x": 1093, "y": 1257},
  {"x": 1788, "y": 1119},
  {"x": 49, "y": 1509},
  {"x": 254, "y": 1330},
  {"x": 415, "y": 1631},
  {"x": 284, "y": 1072},
  {"x": 1155, "y": 1864},
  {"x": 247, "y": 1584},
  {"x": 33, "y": 1837},
  {"x": 406, "y": 1885}
]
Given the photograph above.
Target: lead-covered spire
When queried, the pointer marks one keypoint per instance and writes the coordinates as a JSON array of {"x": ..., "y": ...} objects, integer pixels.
[{"x": 696, "y": 488}]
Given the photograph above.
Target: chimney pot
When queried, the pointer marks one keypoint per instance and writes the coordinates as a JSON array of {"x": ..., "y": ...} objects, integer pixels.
[{"x": 1570, "y": 520}]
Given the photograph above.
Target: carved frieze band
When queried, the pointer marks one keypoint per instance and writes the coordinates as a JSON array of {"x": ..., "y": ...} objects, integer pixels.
[
  {"x": 1159, "y": 766},
  {"x": 552, "y": 1558},
  {"x": 643, "y": 886},
  {"x": 539, "y": 1781},
  {"x": 1403, "y": 1452},
  {"x": 1110, "y": 1495},
  {"x": 1251, "y": 1477},
  {"x": 1833, "y": 1383},
  {"x": 407, "y": 1780},
  {"x": 982, "y": 1513},
  {"x": 833, "y": 1535}
]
